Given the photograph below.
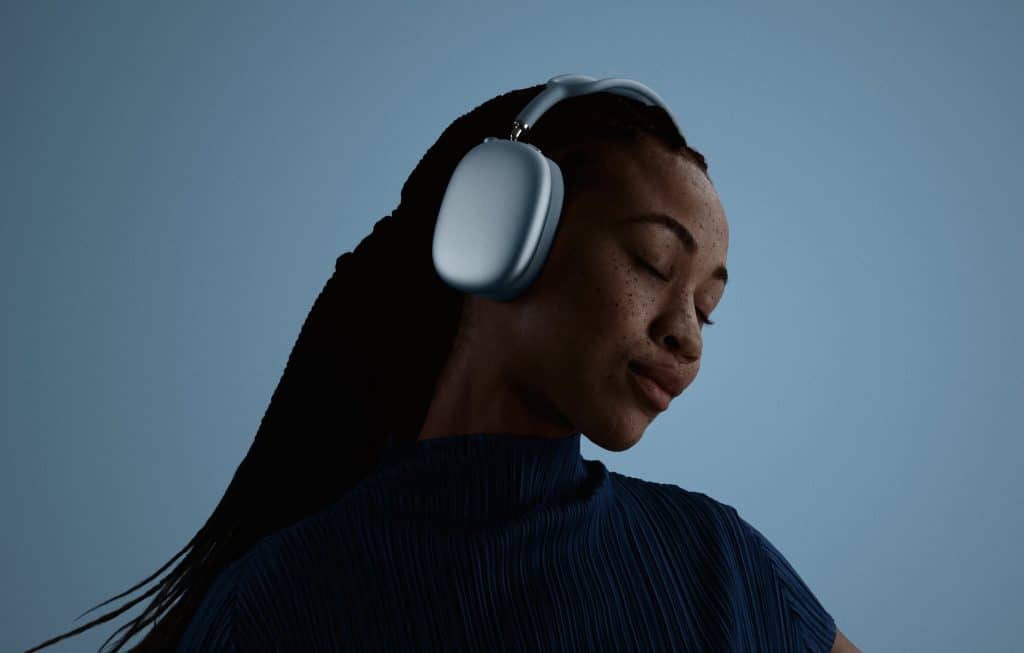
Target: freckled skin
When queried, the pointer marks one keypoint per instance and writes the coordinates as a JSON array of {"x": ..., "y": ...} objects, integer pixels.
[{"x": 553, "y": 361}]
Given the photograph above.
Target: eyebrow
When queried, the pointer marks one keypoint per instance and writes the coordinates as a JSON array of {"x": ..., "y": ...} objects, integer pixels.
[{"x": 680, "y": 232}]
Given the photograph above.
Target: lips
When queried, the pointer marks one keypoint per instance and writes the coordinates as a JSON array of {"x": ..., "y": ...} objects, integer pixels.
[{"x": 667, "y": 377}]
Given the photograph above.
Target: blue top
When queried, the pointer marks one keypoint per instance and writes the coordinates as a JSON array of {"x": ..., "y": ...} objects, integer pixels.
[{"x": 507, "y": 542}]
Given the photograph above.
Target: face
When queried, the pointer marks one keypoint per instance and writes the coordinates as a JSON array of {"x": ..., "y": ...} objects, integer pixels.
[{"x": 613, "y": 291}]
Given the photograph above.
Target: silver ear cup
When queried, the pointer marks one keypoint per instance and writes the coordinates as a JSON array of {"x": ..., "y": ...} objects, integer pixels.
[{"x": 497, "y": 219}]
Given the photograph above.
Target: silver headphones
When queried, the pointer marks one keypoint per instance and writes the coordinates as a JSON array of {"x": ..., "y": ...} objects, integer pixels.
[{"x": 501, "y": 208}]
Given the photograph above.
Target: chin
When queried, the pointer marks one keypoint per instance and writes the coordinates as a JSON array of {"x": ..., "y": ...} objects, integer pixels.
[{"x": 621, "y": 438}]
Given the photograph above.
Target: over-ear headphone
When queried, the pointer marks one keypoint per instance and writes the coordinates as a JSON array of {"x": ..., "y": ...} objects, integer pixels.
[{"x": 501, "y": 208}]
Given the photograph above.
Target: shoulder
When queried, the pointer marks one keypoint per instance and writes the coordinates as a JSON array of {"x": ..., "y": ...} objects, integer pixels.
[
  {"x": 248, "y": 601},
  {"x": 695, "y": 510},
  {"x": 695, "y": 526},
  {"x": 670, "y": 501},
  {"x": 769, "y": 596},
  {"x": 212, "y": 626},
  {"x": 282, "y": 563}
]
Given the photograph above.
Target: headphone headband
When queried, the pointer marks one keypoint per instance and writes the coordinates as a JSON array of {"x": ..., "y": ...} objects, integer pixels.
[{"x": 561, "y": 87}]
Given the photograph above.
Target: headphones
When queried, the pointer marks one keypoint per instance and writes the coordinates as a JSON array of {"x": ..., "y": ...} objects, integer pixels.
[{"x": 503, "y": 203}]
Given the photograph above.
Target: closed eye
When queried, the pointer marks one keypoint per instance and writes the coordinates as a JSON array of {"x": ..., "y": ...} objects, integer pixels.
[
  {"x": 653, "y": 270},
  {"x": 650, "y": 268}
]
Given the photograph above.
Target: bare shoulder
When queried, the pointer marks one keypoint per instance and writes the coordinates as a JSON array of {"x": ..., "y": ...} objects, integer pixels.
[{"x": 843, "y": 645}]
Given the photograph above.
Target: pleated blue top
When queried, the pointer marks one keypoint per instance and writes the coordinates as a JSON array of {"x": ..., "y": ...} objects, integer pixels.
[{"x": 507, "y": 542}]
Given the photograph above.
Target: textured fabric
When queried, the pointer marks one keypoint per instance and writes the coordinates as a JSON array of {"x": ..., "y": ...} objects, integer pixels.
[{"x": 506, "y": 542}]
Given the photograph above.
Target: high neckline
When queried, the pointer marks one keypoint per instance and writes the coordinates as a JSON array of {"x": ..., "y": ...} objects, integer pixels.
[{"x": 484, "y": 475}]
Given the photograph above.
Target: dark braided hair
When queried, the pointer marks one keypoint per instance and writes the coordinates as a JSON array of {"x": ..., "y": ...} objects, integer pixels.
[{"x": 384, "y": 308}]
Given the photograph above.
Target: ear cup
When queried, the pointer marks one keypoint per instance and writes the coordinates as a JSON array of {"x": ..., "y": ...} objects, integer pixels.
[{"x": 497, "y": 219}]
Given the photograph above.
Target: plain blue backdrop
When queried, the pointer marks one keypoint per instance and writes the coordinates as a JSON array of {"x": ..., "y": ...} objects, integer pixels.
[{"x": 178, "y": 180}]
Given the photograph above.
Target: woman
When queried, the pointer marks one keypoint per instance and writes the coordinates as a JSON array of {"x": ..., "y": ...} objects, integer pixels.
[{"x": 416, "y": 482}]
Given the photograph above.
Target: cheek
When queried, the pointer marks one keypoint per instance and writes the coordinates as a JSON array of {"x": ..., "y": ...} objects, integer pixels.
[
  {"x": 590, "y": 306},
  {"x": 593, "y": 289},
  {"x": 622, "y": 296},
  {"x": 612, "y": 303}
]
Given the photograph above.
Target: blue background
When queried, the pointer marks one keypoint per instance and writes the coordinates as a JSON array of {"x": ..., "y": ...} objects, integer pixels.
[{"x": 179, "y": 179}]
